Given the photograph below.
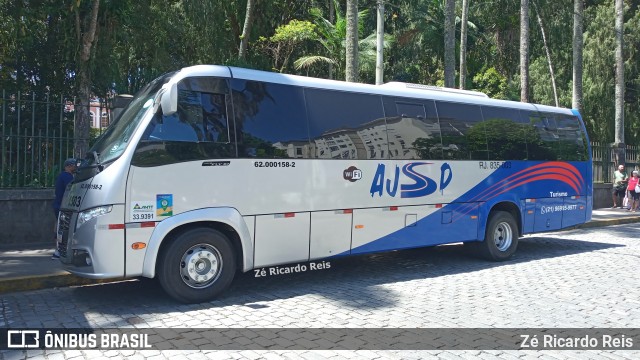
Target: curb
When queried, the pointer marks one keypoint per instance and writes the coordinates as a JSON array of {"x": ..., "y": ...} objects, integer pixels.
[
  {"x": 601, "y": 223},
  {"x": 38, "y": 282}
]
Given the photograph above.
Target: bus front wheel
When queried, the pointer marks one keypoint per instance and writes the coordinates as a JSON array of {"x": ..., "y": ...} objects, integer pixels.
[
  {"x": 501, "y": 237},
  {"x": 197, "y": 266}
]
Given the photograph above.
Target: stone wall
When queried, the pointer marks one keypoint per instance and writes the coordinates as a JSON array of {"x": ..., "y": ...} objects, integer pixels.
[
  {"x": 602, "y": 196},
  {"x": 27, "y": 218}
]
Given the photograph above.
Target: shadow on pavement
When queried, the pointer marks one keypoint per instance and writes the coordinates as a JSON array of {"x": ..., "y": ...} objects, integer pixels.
[{"x": 353, "y": 281}]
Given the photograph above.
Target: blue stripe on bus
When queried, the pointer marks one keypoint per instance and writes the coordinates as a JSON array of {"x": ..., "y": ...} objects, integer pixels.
[{"x": 527, "y": 180}]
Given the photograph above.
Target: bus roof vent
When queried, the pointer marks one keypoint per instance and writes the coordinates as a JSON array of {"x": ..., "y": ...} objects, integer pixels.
[{"x": 396, "y": 84}]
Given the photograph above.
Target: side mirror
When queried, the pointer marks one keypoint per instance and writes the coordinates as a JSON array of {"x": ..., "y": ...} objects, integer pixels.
[{"x": 169, "y": 99}]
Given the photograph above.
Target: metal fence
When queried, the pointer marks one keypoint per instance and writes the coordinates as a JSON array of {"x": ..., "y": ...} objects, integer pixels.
[
  {"x": 604, "y": 161},
  {"x": 37, "y": 135}
]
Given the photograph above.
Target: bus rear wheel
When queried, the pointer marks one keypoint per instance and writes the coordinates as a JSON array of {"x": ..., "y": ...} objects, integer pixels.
[
  {"x": 501, "y": 237},
  {"x": 197, "y": 266}
]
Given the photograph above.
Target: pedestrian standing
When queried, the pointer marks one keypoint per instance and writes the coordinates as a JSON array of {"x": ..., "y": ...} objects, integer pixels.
[
  {"x": 64, "y": 178},
  {"x": 634, "y": 197},
  {"x": 620, "y": 178}
]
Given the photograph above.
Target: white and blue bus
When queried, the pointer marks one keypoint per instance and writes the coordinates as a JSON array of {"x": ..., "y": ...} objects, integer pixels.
[{"x": 215, "y": 169}]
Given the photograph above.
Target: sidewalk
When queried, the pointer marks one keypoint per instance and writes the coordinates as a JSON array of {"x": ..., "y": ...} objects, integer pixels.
[{"x": 32, "y": 269}]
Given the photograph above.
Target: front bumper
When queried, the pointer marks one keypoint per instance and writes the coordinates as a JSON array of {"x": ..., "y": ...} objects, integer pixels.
[{"x": 96, "y": 249}]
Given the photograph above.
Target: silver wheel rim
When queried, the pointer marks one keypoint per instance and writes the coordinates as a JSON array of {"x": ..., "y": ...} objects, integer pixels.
[
  {"x": 200, "y": 266},
  {"x": 503, "y": 236}
]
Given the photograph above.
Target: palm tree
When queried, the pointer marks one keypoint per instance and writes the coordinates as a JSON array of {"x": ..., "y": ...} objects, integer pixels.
[
  {"x": 463, "y": 43},
  {"x": 449, "y": 44},
  {"x": 351, "y": 68},
  {"x": 578, "y": 36},
  {"x": 246, "y": 31},
  {"x": 332, "y": 39},
  {"x": 524, "y": 50},
  {"x": 619, "y": 118}
]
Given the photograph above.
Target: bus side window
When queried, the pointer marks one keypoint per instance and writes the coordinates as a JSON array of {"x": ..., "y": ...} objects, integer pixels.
[
  {"x": 572, "y": 146},
  {"x": 270, "y": 120},
  {"x": 201, "y": 117},
  {"x": 543, "y": 139},
  {"x": 197, "y": 131},
  {"x": 413, "y": 129},
  {"x": 506, "y": 137},
  {"x": 214, "y": 118},
  {"x": 345, "y": 125},
  {"x": 462, "y": 138}
]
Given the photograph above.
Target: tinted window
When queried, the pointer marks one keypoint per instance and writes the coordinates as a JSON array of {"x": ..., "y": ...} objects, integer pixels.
[
  {"x": 571, "y": 143},
  {"x": 542, "y": 143},
  {"x": 413, "y": 129},
  {"x": 506, "y": 136},
  {"x": 462, "y": 139},
  {"x": 200, "y": 117},
  {"x": 198, "y": 130},
  {"x": 346, "y": 125},
  {"x": 270, "y": 120},
  {"x": 410, "y": 110}
]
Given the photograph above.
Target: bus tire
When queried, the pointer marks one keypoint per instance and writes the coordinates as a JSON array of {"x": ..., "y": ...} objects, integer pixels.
[
  {"x": 501, "y": 237},
  {"x": 197, "y": 266}
]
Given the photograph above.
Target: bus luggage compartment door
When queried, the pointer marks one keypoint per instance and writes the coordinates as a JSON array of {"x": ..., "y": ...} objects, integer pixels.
[
  {"x": 282, "y": 238},
  {"x": 529, "y": 215},
  {"x": 330, "y": 233},
  {"x": 574, "y": 210},
  {"x": 548, "y": 214}
]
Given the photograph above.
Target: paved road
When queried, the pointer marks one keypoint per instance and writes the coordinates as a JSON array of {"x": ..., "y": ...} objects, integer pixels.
[{"x": 582, "y": 278}]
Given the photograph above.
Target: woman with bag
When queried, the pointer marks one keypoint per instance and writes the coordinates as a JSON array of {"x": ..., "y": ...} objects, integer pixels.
[{"x": 633, "y": 191}]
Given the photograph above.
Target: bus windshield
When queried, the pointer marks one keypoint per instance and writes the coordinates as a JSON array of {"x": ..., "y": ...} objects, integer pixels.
[{"x": 115, "y": 140}]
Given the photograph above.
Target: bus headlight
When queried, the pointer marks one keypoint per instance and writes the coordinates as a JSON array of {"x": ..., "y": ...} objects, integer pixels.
[{"x": 87, "y": 215}]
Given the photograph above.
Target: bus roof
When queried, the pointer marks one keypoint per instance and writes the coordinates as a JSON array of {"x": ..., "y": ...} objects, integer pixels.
[{"x": 397, "y": 89}]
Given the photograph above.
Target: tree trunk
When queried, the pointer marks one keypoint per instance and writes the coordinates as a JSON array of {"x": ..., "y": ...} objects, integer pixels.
[
  {"x": 86, "y": 31},
  {"x": 548, "y": 53},
  {"x": 449, "y": 44},
  {"x": 463, "y": 43},
  {"x": 246, "y": 30},
  {"x": 524, "y": 50},
  {"x": 332, "y": 20},
  {"x": 578, "y": 36},
  {"x": 619, "y": 27},
  {"x": 380, "y": 43},
  {"x": 352, "y": 41},
  {"x": 332, "y": 12}
]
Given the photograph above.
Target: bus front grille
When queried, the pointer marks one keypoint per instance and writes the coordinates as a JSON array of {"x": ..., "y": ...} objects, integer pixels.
[{"x": 64, "y": 221}]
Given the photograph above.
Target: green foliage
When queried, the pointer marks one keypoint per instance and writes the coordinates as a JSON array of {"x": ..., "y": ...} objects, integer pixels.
[
  {"x": 138, "y": 40},
  {"x": 295, "y": 31},
  {"x": 94, "y": 134},
  {"x": 599, "y": 79},
  {"x": 541, "y": 85},
  {"x": 286, "y": 39},
  {"x": 491, "y": 83}
]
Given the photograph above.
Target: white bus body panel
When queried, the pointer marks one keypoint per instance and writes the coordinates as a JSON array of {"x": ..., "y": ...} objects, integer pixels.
[
  {"x": 330, "y": 233},
  {"x": 314, "y": 191},
  {"x": 95, "y": 236},
  {"x": 135, "y": 257},
  {"x": 104, "y": 246},
  {"x": 282, "y": 238}
]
